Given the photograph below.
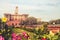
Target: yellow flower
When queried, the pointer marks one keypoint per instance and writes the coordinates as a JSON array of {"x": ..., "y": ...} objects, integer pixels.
[
  {"x": 37, "y": 29},
  {"x": 4, "y": 19},
  {"x": 51, "y": 33},
  {"x": 44, "y": 36}
]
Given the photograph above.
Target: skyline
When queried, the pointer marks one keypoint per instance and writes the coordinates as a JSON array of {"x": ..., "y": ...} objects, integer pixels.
[{"x": 44, "y": 9}]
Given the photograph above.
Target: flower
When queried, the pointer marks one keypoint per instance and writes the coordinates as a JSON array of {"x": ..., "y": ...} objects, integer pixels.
[
  {"x": 4, "y": 19},
  {"x": 13, "y": 34},
  {"x": 51, "y": 33},
  {"x": 25, "y": 35},
  {"x": 1, "y": 38},
  {"x": 19, "y": 37},
  {"x": 37, "y": 29}
]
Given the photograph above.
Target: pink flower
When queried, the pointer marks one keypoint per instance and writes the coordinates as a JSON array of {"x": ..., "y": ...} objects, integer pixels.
[
  {"x": 25, "y": 35},
  {"x": 1, "y": 38},
  {"x": 13, "y": 34},
  {"x": 19, "y": 37},
  {"x": 13, "y": 38}
]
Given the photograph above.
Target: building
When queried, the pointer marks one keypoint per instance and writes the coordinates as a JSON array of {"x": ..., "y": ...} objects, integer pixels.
[
  {"x": 15, "y": 19},
  {"x": 54, "y": 28}
]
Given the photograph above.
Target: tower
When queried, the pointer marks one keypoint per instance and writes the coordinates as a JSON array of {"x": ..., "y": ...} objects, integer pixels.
[{"x": 16, "y": 10}]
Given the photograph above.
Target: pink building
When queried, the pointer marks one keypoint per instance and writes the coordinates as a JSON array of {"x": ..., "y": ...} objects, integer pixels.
[
  {"x": 54, "y": 28},
  {"x": 16, "y": 18}
]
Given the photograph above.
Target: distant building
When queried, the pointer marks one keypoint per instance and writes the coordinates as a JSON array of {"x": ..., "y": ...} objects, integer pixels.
[
  {"x": 54, "y": 28},
  {"x": 15, "y": 19}
]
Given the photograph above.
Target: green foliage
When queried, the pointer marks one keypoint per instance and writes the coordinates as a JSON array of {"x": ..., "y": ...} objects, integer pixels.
[{"x": 34, "y": 34}]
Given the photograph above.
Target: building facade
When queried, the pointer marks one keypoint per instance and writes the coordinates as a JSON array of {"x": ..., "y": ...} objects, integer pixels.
[{"x": 15, "y": 19}]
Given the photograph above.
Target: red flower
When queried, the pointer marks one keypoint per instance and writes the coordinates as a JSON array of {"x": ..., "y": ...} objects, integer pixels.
[{"x": 43, "y": 39}]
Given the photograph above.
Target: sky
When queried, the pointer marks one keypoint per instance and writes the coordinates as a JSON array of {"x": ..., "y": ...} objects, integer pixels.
[{"x": 44, "y": 9}]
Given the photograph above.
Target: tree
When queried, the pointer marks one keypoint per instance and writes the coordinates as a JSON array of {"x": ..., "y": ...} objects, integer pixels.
[
  {"x": 31, "y": 21},
  {"x": 58, "y": 21},
  {"x": 55, "y": 21}
]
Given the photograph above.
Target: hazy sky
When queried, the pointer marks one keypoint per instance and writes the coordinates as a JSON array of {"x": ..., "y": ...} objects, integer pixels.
[{"x": 44, "y": 9}]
